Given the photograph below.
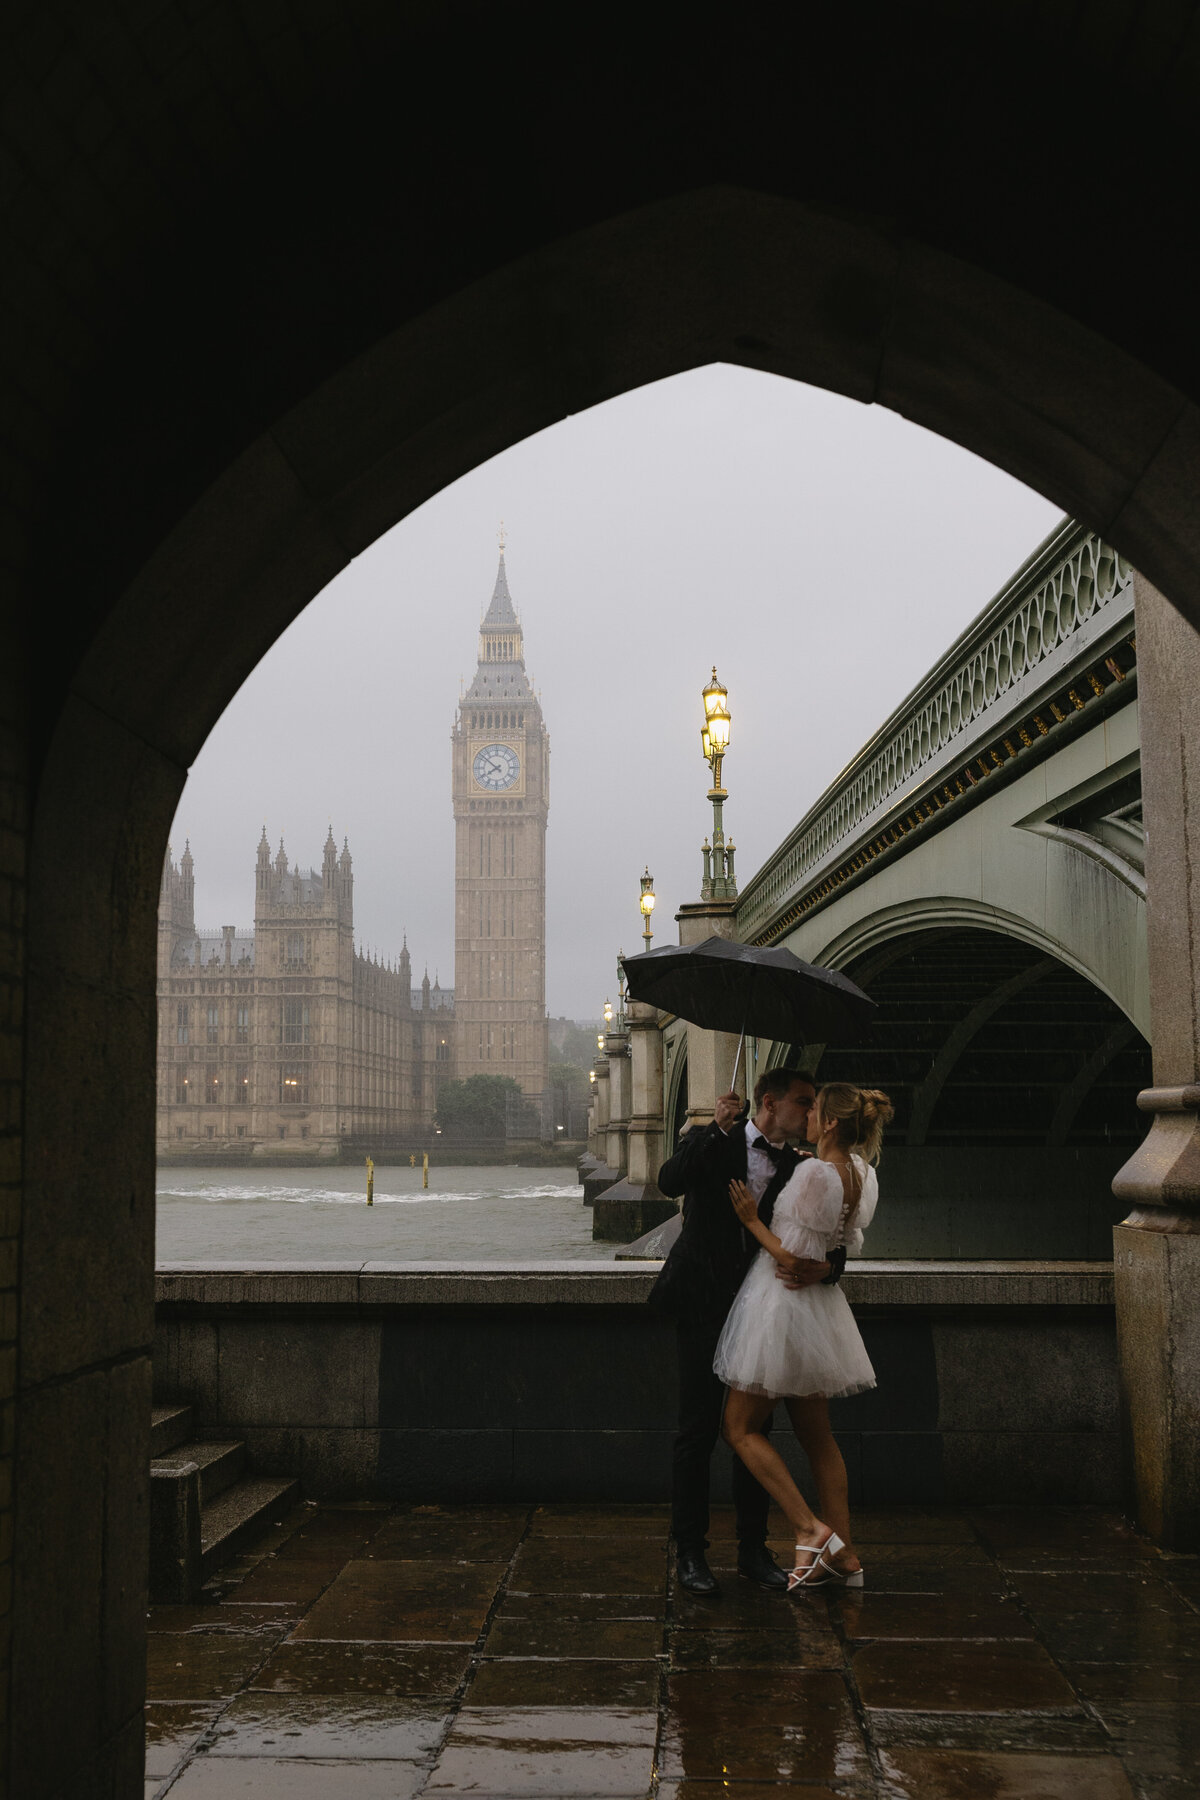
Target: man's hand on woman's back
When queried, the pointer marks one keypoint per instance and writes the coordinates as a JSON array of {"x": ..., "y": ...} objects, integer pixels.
[{"x": 800, "y": 1272}]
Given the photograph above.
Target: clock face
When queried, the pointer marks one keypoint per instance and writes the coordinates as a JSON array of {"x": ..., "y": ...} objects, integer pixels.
[{"x": 496, "y": 767}]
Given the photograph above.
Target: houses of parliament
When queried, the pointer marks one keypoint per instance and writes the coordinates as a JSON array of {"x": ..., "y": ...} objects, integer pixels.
[{"x": 283, "y": 1040}]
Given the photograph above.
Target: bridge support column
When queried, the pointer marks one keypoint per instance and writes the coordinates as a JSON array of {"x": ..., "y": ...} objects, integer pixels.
[
  {"x": 1156, "y": 1250},
  {"x": 646, "y": 1075},
  {"x": 710, "y": 1053},
  {"x": 634, "y": 1206},
  {"x": 616, "y": 1052},
  {"x": 600, "y": 1110}
]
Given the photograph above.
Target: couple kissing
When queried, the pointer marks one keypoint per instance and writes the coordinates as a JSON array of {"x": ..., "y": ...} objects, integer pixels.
[{"x": 752, "y": 1284}]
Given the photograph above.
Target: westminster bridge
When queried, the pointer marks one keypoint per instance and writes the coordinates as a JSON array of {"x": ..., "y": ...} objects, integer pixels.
[{"x": 978, "y": 868}]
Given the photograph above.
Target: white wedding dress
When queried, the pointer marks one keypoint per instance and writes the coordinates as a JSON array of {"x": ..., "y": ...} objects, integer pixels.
[{"x": 784, "y": 1341}]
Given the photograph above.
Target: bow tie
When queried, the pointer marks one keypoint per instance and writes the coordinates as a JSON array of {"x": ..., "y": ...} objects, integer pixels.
[{"x": 774, "y": 1151}]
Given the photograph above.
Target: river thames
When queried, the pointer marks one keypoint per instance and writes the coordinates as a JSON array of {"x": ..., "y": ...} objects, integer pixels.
[{"x": 321, "y": 1215}]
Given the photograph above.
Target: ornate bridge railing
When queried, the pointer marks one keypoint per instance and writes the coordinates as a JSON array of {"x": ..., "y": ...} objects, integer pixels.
[{"x": 1052, "y": 651}]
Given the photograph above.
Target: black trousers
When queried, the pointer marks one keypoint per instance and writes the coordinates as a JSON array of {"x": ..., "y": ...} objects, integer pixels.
[{"x": 701, "y": 1396}]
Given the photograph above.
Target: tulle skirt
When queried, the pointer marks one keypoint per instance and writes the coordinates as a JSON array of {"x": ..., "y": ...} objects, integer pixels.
[{"x": 781, "y": 1342}]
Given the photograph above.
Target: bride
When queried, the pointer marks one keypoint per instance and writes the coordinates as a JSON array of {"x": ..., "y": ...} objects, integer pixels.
[{"x": 803, "y": 1346}]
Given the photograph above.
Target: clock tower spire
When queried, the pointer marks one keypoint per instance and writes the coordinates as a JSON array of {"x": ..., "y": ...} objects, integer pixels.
[{"x": 501, "y": 782}]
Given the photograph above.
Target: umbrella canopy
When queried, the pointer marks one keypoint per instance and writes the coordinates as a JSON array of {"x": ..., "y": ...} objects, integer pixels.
[{"x": 723, "y": 986}]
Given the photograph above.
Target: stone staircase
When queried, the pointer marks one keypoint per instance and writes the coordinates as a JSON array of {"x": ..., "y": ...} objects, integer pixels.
[{"x": 203, "y": 1504}]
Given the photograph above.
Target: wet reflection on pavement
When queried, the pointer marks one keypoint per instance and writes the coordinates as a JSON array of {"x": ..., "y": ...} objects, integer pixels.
[{"x": 371, "y": 1651}]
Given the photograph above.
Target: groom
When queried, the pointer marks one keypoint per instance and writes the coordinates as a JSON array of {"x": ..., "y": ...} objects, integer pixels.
[{"x": 697, "y": 1286}]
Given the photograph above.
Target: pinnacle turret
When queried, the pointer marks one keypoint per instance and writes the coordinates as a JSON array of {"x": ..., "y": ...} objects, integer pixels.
[
  {"x": 500, "y": 674},
  {"x": 501, "y": 614}
]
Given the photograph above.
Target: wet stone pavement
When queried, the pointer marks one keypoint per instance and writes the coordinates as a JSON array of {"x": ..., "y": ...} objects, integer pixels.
[{"x": 377, "y": 1652}]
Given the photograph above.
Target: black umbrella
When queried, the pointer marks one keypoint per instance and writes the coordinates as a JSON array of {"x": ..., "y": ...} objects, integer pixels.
[{"x": 723, "y": 986}]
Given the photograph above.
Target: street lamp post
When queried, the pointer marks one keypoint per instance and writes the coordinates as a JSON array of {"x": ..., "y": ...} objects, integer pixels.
[
  {"x": 647, "y": 904},
  {"x": 718, "y": 882}
]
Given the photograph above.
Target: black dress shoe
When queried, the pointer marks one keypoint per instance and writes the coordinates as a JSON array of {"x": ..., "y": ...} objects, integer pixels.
[
  {"x": 756, "y": 1564},
  {"x": 695, "y": 1575}
]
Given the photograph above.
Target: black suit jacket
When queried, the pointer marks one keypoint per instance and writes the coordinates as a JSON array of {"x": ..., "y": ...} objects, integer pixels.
[{"x": 712, "y": 1252}]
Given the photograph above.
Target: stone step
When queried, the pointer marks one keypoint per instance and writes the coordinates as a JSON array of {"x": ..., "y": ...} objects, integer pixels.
[
  {"x": 220, "y": 1465},
  {"x": 239, "y": 1513},
  {"x": 170, "y": 1426}
]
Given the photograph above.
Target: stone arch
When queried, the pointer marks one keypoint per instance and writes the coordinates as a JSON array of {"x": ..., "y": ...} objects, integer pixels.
[
  {"x": 870, "y": 943},
  {"x": 1014, "y": 1077},
  {"x": 240, "y": 397}
]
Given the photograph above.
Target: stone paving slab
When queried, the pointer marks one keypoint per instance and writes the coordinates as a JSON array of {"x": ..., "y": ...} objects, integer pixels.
[
  {"x": 815, "y": 1646},
  {"x": 962, "y": 1677},
  {"x": 359, "y": 1726},
  {"x": 551, "y": 1683},
  {"x": 172, "y": 1727},
  {"x": 519, "y": 1652},
  {"x": 582, "y": 1607},
  {"x": 1003, "y": 1775},
  {"x": 622, "y": 1640},
  {"x": 276, "y": 1778},
  {"x": 741, "y": 1725},
  {"x": 323, "y": 1667},
  {"x": 926, "y": 1617},
  {"x": 402, "y": 1601}
]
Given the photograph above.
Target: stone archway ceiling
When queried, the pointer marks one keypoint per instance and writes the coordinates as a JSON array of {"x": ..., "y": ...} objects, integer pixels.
[
  {"x": 274, "y": 276},
  {"x": 1045, "y": 1059},
  {"x": 278, "y": 279}
]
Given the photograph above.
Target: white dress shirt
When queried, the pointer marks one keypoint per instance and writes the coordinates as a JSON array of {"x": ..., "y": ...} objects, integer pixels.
[{"x": 760, "y": 1170}]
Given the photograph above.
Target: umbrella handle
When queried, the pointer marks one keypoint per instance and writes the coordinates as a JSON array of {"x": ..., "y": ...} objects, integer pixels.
[{"x": 737, "y": 1061}]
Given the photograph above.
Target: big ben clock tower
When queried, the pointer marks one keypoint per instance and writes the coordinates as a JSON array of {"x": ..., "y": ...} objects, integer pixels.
[{"x": 501, "y": 760}]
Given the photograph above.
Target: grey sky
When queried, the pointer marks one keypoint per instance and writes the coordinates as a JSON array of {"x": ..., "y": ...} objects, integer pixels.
[{"x": 823, "y": 554}]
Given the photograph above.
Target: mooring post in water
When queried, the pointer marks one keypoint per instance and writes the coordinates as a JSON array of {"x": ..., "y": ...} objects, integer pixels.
[
  {"x": 425, "y": 1170},
  {"x": 370, "y": 1182}
]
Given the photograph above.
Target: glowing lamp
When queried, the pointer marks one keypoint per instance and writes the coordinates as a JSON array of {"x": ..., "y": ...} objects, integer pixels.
[
  {"x": 716, "y": 717},
  {"x": 648, "y": 895}
]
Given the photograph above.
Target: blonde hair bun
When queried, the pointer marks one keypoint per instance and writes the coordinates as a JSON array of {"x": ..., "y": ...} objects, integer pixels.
[{"x": 861, "y": 1116}]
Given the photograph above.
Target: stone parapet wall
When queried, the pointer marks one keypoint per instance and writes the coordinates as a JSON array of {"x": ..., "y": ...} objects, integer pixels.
[{"x": 427, "y": 1381}]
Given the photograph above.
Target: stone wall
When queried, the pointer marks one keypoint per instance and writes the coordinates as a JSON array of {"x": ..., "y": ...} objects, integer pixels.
[{"x": 556, "y": 1382}]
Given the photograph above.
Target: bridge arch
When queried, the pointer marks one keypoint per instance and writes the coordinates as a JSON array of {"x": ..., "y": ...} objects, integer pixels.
[
  {"x": 1014, "y": 1077},
  {"x": 869, "y": 944}
]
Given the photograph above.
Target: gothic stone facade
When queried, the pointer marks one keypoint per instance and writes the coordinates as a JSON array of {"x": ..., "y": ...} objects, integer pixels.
[
  {"x": 501, "y": 784},
  {"x": 286, "y": 1041}
]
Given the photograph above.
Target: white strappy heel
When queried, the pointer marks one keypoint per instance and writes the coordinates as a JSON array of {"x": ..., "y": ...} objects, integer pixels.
[
  {"x": 851, "y": 1578},
  {"x": 818, "y": 1571}
]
